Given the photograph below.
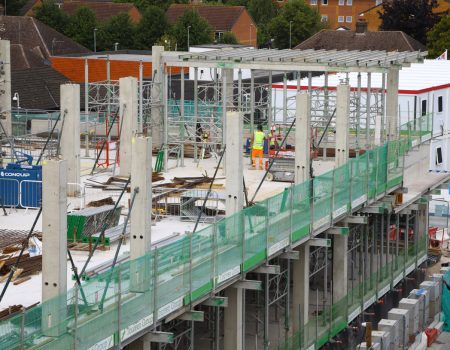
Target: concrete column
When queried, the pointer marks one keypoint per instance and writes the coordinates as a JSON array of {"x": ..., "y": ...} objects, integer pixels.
[
  {"x": 300, "y": 295},
  {"x": 141, "y": 213},
  {"x": 227, "y": 104},
  {"x": 128, "y": 111},
  {"x": 233, "y": 154},
  {"x": 54, "y": 244},
  {"x": 70, "y": 136},
  {"x": 157, "y": 112},
  {"x": 340, "y": 267},
  {"x": 342, "y": 117},
  {"x": 5, "y": 78},
  {"x": 340, "y": 259},
  {"x": 233, "y": 317},
  {"x": 392, "y": 104},
  {"x": 302, "y": 137}
]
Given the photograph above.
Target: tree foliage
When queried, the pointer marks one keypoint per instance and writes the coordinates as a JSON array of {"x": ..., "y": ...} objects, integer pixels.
[
  {"x": 13, "y": 7},
  {"x": 81, "y": 27},
  {"x": 229, "y": 38},
  {"x": 199, "y": 30},
  {"x": 50, "y": 14},
  {"x": 151, "y": 27},
  {"x": 162, "y": 4},
  {"x": 304, "y": 22},
  {"x": 439, "y": 37},
  {"x": 119, "y": 30},
  {"x": 262, "y": 11},
  {"x": 414, "y": 17}
]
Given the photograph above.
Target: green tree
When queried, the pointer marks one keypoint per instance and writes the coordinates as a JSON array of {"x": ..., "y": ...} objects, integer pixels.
[
  {"x": 262, "y": 11},
  {"x": 296, "y": 20},
  {"x": 198, "y": 29},
  {"x": 168, "y": 41},
  {"x": 50, "y": 14},
  {"x": 439, "y": 37},
  {"x": 414, "y": 17},
  {"x": 118, "y": 30},
  {"x": 162, "y": 4},
  {"x": 151, "y": 27},
  {"x": 229, "y": 38},
  {"x": 13, "y": 7},
  {"x": 81, "y": 27}
]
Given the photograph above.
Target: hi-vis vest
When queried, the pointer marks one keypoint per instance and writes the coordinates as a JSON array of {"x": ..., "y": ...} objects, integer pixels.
[{"x": 258, "y": 140}]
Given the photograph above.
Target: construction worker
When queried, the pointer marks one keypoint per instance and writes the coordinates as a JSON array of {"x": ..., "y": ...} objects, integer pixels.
[
  {"x": 258, "y": 147},
  {"x": 273, "y": 144}
]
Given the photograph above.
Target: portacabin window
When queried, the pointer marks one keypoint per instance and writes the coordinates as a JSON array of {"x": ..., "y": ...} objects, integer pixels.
[{"x": 440, "y": 104}]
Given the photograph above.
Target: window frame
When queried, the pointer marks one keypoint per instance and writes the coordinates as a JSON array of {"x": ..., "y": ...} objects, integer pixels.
[
  {"x": 346, "y": 19},
  {"x": 343, "y": 19},
  {"x": 440, "y": 104}
]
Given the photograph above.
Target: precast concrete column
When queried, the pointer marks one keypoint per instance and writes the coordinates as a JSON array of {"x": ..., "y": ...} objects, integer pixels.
[
  {"x": 340, "y": 259},
  {"x": 5, "y": 94},
  {"x": 233, "y": 316},
  {"x": 54, "y": 246},
  {"x": 128, "y": 111},
  {"x": 141, "y": 212},
  {"x": 392, "y": 104},
  {"x": 157, "y": 114},
  {"x": 70, "y": 136},
  {"x": 300, "y": 295},
  {"x": 233, "y": 155},
  {"x": 300, "y": 271},
  {"x": 302, "y": 137},
  {"x": 227, "y": 104},
  {"x": 342, "y": 118}
]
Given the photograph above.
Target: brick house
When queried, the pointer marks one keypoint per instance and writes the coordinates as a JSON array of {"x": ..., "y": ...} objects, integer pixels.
[
  {"x": 235, "y": 19},
  {"x": 104, "y": 10},
  {"x": 339, "y": 13}
]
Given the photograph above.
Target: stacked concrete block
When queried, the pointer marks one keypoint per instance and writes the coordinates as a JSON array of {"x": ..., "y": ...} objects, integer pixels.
[
  {"x": 423, "y": 296},
  {"x": 434, "y": 290},
  {"x": 382, "y": 338},
  {"x": 413, "y": 306},
  {"x": 402, "y": 316},
  {"x": 393, "y": 328}
]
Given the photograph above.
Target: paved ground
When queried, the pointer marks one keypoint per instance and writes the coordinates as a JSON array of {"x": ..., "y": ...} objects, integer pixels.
[{"x": 442, "y": 343}]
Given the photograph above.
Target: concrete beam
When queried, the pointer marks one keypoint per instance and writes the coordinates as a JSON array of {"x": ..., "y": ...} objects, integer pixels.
[
  {"x": 356, "y": 220},
  {"x": 290, "y": 255},
  {"x": 268, "y": 269},
  {"x": 234, "y": 171},
  {"x": 157, "y": 114},
  {"x": 216, "y": 301},
  {"x": 128, "y": 111},
  {"x": 374, "y": 209},
  {"x": 342, "y": 118},
  {"x": 198, "y": 316},
  {"x": 159, "y": 337},
  {"x": 5, "y": 78},
  {"x": 392, "y": 104},
  {"x": 248, "y": 284},
  {"x": 320, "y": 242},
  {"x": 141, "y": 213},
  {"x": 70, "y": 136},
  {"x": 302, "y": 137},
  {"x": 54, "y": 244}
]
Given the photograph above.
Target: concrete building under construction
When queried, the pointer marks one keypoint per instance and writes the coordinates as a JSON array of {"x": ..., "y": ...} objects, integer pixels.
[{"x": 196, "y": 250}]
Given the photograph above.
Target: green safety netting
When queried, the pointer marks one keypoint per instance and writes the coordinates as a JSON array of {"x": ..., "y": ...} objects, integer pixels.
[{"x": 118, "y": 303}]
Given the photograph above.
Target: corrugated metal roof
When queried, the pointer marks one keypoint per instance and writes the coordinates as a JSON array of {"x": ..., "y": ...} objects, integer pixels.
[{"x": 422, "y": 76}]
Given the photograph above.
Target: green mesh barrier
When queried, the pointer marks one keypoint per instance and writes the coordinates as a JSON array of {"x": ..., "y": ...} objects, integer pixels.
[
  {"x": 323, "y": 189},
  {"x": 118, "y": 303},
  {"x": 341, "y": 198}
]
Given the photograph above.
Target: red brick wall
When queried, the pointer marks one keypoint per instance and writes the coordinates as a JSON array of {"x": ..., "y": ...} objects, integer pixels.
[{"x": 242, "y": 28}]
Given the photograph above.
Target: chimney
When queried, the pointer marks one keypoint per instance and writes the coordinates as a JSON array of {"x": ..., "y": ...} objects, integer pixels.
[{"x": 361, "y": 26}]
